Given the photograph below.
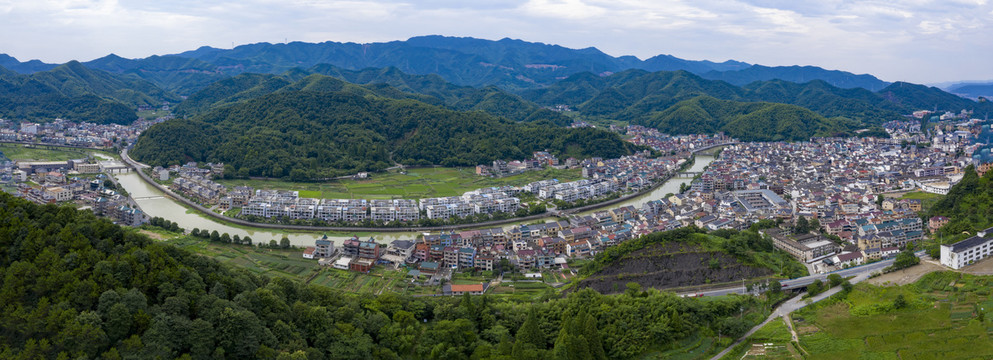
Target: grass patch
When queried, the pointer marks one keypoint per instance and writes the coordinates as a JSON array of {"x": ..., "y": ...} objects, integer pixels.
[
  {"x": 416, "y": 183},
  {"x": 927, "y": 199},
  {"x": 19, "y": 152},
  {"x": 272, "y": 262},
  {"x": 935, "y": 323}
]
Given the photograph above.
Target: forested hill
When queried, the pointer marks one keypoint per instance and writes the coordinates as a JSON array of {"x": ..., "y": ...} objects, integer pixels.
[
  {"x": 25, "y": 99},
  {"x": 748, "y": 121},
  {"x": 968, "y": 205},
  {"x": 75, "y": 92},
  {"x": 76, "y": 286},
  {"x": 313, "y": 135},
  {"x": 389, "y": 82},
  {"x": 797, "y": 74},
  {"x": 631, "y": 94}
]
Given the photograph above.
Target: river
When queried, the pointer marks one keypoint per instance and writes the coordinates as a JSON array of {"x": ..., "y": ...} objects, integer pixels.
[{"x": 155, "y": 203}]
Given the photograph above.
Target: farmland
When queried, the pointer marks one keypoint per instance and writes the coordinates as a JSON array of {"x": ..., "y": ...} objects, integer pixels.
[
  {"x": 415, "y": 183},
  {"x": 19, "y": 152},
  {"x": 941, "y": 316},
  {"x": 272, "y": 262}
]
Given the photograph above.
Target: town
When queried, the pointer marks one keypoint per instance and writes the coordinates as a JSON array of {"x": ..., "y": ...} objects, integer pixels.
[
  {"x": 604, "y": 179},
  {"x": 845, "y": 190},
  {"x": 846, "y": 193}
]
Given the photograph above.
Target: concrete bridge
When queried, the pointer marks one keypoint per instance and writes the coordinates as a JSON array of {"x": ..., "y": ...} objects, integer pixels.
[
  {"x": 689, "y": 173},
  {"x": 148, "y": 198},
  {"x": 703, "y": 149}
]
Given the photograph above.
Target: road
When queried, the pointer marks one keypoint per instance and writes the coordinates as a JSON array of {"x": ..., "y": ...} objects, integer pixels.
[
  {"x": 806, "y": 280},
  {"x": 791, "y": 305}
]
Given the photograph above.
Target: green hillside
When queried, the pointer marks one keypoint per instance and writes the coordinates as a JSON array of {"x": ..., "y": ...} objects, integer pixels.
[
  {"x": 639, "y": 96},
  {"x": 182, "y": 76},
  {"x": 313, "y": 135},
  {"x": 30, "y": 100},
  {"x": 75, "y": 286},
  {"x": 744, "y": 121},
  {"x": 75, "y": 92},
  {"x": 388, "y": 82}
]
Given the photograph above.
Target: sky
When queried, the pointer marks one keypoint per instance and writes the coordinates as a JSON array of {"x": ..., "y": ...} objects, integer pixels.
[{"x": 919, "y": 41}]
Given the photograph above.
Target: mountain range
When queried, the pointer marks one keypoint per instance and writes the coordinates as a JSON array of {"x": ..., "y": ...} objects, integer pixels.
[
  {"x": 972, "y": 90},
  {"x": 507, "y": 63},
  {"x": 512, "y": 79}
]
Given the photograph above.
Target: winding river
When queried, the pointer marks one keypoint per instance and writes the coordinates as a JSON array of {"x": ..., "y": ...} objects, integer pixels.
[{"x": 155, "y": 203}]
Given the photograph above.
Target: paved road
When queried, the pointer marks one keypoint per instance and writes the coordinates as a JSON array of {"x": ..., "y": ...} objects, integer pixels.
[
  {"x": 806, "y": 280},
  {"x": 789, "y": 306}
]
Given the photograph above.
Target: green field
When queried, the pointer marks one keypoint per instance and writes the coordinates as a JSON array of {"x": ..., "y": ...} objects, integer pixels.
[
  {"x": 272, "y": 262},
  {"x": 772, "y": 341},
  {"x": 416, "y": 183},
  {"x": 19, "y": 152},
  {"x": 927, "y": 199},
  {"x": 378, "y": 281},
  {"x": 940, "y": 321},
  {"x": 153, "y": 114}
]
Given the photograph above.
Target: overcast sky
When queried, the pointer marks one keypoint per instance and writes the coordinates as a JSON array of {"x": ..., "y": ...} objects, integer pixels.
[{"x": 912, "y": 40}]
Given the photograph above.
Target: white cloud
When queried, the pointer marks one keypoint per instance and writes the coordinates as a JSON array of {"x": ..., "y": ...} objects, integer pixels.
[
  {"x": 568, "y": 9},
  {"x": 917, "y": 40}
]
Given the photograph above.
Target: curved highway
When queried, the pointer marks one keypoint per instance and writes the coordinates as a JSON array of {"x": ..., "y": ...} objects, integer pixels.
[{"x": 802, "y": 282}]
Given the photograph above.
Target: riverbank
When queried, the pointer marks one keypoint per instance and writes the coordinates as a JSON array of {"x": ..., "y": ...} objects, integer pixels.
[
  {"x": 157, "y": 201},
  {"x": 205, "y": 211}
]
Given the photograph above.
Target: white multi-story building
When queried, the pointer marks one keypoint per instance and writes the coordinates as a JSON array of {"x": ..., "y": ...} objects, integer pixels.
[{"x": 968, "y": 251}]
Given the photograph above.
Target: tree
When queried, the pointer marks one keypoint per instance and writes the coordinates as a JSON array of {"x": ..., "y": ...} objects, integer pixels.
[
  {"x": 899, "y": 302},
  {"x": 905, "y": 259},
  {"x": 802, "y": 226},
  {"x": 592, "y": 335},
  {"x": 273, "y": 244},
  {"x": 215, "y": 236},
  {"x": 236, "y": 239},
  {"x": 570, "y": 343},
  {"x": 879, "y": 200},
  {"x": 815, "y": 288},
  {"x": 247, "y": 240},
  {"x": 195, "y": 232},
  {"x": 835, "y": 279},
  {"x": 633, "y": 289},
  {"x": 775, "y": 287},
  {"x": 815, "y": 225},
  {"x": 529, "y": 337},
  {"x": 225, "y": 238},
  {"x": 284, "y": 242}
]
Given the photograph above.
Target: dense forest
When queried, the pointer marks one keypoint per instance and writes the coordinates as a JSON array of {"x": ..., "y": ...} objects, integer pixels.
[
  {"x": 313, "y": 135},
  {"x": 797, "y": 74},
  {"x": 634, "y": 95},
  {"x": 388, "y": 83},
  {"x": 968, "y": 205},
  {"x": 744, "y": 121},
  {"x": 77, "y": 286}
]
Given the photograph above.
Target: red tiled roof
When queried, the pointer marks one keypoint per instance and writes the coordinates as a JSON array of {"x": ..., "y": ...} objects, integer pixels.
[{"x": 467, "y": 288}]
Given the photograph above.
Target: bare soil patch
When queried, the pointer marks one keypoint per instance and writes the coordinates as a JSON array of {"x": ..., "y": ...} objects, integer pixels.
[
  {"x": 670, "y": 265},
  {"x": 906, "y": 276},
  {"x": 983, "y": 267},
  {"x": 151, "y": 234}
]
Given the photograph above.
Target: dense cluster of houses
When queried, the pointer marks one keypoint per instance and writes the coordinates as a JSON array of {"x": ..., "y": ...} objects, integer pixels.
[
  {"x": 194, "y": 182},
  {"x": 539, "y": 160},
  {"x": 63, "y": 132},
  {"x": 61, "y": 182},
  {"x": 673, "y": 144}
]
